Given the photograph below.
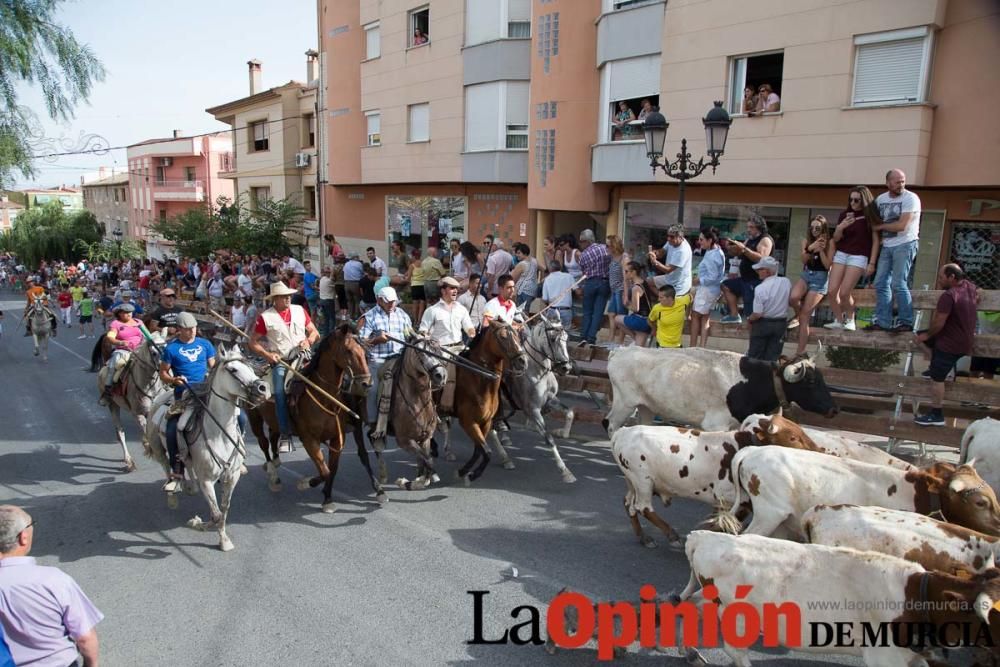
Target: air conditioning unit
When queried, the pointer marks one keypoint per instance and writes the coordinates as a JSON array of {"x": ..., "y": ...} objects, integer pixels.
[
  {"x": 302, "y": 159},
  {"x": 166, "y": 161}
]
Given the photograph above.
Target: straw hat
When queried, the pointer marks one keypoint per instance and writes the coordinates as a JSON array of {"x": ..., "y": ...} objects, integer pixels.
[{"x": 279, "y": 289}]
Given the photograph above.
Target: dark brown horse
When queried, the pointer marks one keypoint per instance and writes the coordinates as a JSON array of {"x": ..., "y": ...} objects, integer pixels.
[
  {"x": 477, "y": 398},
  {"x": 316, "y": 419}
]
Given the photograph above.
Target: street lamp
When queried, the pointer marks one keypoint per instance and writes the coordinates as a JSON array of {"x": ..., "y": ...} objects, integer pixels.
[
  {"x": 716, "y": 123},
  {"x": 117, "y": 233}
]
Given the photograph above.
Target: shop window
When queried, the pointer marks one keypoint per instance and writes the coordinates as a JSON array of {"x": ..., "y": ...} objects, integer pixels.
[
  {"x": 423, "y": 222},
  {"x": 975, "y": 246},
  {"x": 750, "y": 76},
  {"x": 419, "y": 22}
]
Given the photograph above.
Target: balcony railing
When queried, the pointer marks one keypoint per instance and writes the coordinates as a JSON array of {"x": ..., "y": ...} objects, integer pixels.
[
  {"x": 178, "y": 191},
  {"x": 227, "y": 164}
]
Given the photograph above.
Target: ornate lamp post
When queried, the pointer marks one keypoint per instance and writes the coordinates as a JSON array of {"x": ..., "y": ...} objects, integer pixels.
[
  {"x": 117, "y": 233},
  {"x": 716, "y": 122}
]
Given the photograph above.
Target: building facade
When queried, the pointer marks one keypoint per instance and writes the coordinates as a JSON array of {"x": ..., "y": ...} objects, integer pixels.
[
  {"x": 108, "y": 199},
  {"x": 863, "y": 87},
  {"x": 274, "y": 139},
  {"x": 169, "y": 176},
  {"x": 9, "y": 211},
  {"x": 70, "y": 198}
]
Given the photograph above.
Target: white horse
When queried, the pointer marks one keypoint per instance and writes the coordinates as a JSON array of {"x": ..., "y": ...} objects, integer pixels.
[
  {"x": 216, "y": 454},
  {"x": 41, "y": 328},
  {"x": 142, "y": 386},
  {"x": 536, "y": 392}
]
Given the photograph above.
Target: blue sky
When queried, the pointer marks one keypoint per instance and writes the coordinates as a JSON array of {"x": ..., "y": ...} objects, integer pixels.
[{"x": 167, "y": 62}]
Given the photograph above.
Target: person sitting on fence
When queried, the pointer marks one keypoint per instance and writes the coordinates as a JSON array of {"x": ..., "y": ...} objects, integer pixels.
[
  {"x": 817, "y": 258},
  {"x": 758, "y": 246},
  {"x": 950, "y": 336},
  {"x": 768, "y": 320}
]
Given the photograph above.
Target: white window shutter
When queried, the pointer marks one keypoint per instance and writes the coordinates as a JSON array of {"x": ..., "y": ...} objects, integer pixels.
[
  {"x": 889, "y": 71},
  {"x": 482, "y": 21},
  {"x": 482, "y": 117},
  {"x": 517, "y": 103},
  {"x": 420, "y": 121},
  {"x": 518, "y": 10},
  {"x": 373, "y": 42},
  {"x": 635, "y": 77}
]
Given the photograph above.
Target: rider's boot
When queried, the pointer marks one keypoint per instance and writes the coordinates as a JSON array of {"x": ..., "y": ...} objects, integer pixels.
[
  {"x": 176, "y": 467},
  {"x": 378, "y": 431}
]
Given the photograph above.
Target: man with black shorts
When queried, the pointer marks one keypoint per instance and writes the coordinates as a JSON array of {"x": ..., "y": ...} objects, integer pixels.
[{"x": 950, "y": 336}]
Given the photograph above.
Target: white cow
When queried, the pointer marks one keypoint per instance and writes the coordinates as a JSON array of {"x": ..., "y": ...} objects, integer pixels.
[
  {"x": 710, "y": 389},
  {"x": 783, "y": 484},
  {"x": 666, "y": 461},
  {"x": 981, "y": 441},
  {"x": 933, "y": 544},
  {"x": 777, "y": 430},
  {"x": 812, "y": 576}
]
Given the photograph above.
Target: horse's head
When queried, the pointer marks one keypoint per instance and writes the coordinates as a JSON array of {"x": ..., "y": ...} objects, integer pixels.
[
  {"x": 237, "y": 382},
  {"x": 347, "y": 352},
  {"x": 550, "y": 338},
  {"x": 503, "y": 343},
  {"x": 432, "y": 365}
]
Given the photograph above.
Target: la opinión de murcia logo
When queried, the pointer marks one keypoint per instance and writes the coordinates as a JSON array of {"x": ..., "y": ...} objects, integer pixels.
[{"x": 573, "y": 620}]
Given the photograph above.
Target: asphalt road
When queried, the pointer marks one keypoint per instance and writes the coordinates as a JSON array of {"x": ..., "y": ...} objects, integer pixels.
[{"x": 367, "y": 585}]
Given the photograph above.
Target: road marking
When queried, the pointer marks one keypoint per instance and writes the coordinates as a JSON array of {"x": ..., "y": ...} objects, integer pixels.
[{"x": 58, "y": 344}]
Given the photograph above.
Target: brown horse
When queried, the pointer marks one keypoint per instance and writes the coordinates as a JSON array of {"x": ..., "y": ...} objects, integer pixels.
[
  {"x": 315, "y": 419},
  {"x": 477, "y": 398}
]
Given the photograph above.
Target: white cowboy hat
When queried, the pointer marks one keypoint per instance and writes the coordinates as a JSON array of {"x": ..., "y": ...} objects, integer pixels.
[{"x": 279, "y": 289}]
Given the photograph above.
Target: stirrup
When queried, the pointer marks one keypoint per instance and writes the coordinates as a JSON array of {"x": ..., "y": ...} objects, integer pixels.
[
  {"x": 285, "y": 445},
  {"x": 173, "y": 485}
]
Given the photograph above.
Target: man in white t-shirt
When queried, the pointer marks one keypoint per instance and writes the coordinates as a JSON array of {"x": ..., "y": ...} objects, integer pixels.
[
  {"x": 377, "y": 263},
  {"x": 289, "y": 262},
  {"x": 675, "y": 270},
  {"x": 900, "y": 230},
  {"x": 445, "y": 322},
  {"x": 502, "y": 306},
  {"x": 556, "y": 292}
]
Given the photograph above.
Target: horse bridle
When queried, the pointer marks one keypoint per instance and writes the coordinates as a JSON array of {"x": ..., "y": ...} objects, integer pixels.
[
  {"x": 244, "y": 401},
  {"x": 548, "y": 343}
]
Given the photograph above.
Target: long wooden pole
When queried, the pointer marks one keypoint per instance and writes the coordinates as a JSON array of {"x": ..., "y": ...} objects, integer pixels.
[
  {"x": 558, "y": 298},
  {"x": 325, "y": 394}
]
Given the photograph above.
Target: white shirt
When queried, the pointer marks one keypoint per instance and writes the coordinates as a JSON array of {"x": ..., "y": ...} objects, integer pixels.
[
  {"x": 295, "y": 265},
  {"x": 327, "y": 290},
  {"x": 495, "y": 310},
  {"x": 444, "y": 324},
  {"x": 475, "y": 304},
  {"x": 459, "y": 267},
  {"x": 498, "y": 264},
  {"x": 379, "y": 266},
  {"x": 245, "y": 284},
  {"x": 770, "y": 299},
  {"x": 892, "y": 209},
  {"x": 554, "y": 285},
  {"x": 239, "y": 315},
  {"x": 680, "y": 257}
]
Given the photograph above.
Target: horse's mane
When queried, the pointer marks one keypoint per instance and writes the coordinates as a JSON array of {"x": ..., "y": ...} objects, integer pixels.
[
  {"x": 325, "y": 345},
  {"x": 475, "y": 342}
]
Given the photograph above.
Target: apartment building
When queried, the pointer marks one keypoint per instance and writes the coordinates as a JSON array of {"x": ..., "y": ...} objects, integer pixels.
[
  {"x": 9, "y": 211},
  {"x": 107, "y": 198},
  {"x": 864, "y": 86},
  {"x": 169, "y": 176},
  {"x": 274, "y": 142},
  {"x": 70, "y": 198}
]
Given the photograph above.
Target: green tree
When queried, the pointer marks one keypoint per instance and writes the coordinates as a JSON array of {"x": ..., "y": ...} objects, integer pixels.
[
  {"x": 107, "y": 250},
  {"x": 49, "y": 232},
  {"x": 36, "y": 50},
  {"x": 194, "y": 233}
]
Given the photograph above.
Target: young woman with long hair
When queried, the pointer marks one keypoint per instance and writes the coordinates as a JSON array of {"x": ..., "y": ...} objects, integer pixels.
[
  {"x": 638, "y": 304},
  {"x": 616, "y": 278},
  {"x": 856, "y": 256},
  {"x": 711, "y": 271},
  {"x": 817, "y": 258}
]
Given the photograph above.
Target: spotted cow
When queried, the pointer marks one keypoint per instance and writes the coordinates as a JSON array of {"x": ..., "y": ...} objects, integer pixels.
[
  {"x": 936, "y": 545},
  {"x": 783, "y": 484},
  {"x": 884, "y": 589},
  {"x": 778, "y": 430}
]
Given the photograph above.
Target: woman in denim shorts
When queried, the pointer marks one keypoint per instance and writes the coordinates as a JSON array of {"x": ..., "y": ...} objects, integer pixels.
[
  {"x": 856, "y": 256},
  {"x": 817, "y": 257}
]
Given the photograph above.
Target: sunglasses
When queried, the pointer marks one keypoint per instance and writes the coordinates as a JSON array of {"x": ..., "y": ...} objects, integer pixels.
[
  {"x": 28, "y": 526},
  {"x": 854, "y": 199}
]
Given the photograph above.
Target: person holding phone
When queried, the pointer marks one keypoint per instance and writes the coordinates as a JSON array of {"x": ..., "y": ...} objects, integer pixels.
[{"x": 857, "y": 247}]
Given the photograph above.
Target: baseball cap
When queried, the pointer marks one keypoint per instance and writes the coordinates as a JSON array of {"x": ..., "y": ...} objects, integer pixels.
[
  {"x": 769, "y": 263},
  {"x": 388, "y": 294}
]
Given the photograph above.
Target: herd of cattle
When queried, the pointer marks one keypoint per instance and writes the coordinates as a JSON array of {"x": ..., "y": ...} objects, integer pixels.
[{"x": 802, "y": 515}]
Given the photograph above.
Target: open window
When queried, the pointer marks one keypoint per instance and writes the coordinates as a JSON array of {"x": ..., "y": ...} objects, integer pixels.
[
  {"x": 626, "y": 86},
  {"x": 420, "y": 23},
  {"x": 755, "y": 83},
  {"x": 259, "y": 136}
]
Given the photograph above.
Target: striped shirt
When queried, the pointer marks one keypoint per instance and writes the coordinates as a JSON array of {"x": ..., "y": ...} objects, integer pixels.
[{"x": 396, "y": 324}]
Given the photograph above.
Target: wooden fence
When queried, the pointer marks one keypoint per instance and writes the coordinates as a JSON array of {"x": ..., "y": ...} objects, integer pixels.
[{"x": 869, "y": 400}]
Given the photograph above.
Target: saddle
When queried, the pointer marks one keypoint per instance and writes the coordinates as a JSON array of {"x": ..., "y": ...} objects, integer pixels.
[
  {"x": 119, "y": 379},
  {"x": 387, "y": 377}
]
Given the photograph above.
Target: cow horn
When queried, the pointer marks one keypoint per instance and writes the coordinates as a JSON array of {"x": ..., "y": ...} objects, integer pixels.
[
  {"x": 819, "y": 348},
  {"x": 772, "y": 429},
  {"x": 794, "y": 372}
]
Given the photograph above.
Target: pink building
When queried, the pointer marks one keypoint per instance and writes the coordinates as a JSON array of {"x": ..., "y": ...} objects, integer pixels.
[{"x": 170, "y": 176}]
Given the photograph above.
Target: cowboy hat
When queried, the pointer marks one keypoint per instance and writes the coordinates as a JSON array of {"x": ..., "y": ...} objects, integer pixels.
[{"x": 279, "y": 289}]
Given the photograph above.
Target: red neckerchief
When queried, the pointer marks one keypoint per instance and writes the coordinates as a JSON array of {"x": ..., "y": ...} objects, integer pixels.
[{"x": 506, "y": 304}]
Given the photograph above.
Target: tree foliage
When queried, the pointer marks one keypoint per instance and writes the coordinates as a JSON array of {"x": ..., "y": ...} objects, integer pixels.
[
  {"x": 36, "y": 50},
  {"x": 49, "y": 232},
  {"x": 108, "y": 250},
  {"x": 271, "y": 227}
]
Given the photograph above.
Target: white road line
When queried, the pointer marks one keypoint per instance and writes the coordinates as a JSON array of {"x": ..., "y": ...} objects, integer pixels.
[{"x": 58, "y": 344}]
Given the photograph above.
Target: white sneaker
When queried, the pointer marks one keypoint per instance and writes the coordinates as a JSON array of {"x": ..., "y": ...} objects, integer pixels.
[
  {"x": 849, "y": 325},
  {"x": 833, "y": 325},
  {"x": 81, "y": 337}
]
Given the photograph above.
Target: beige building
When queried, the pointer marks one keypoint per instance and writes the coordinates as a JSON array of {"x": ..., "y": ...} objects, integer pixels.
[
  {"x": 862, "y": 87},
  {"x": 107, "y": 198},
  {"x": 274, "y": 145},
  {"x": 9, "y": 211}
]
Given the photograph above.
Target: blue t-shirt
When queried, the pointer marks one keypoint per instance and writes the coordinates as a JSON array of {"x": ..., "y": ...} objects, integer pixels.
[
  {"x": 309, "y": 280},
  {"x": 188, "y": 359}
]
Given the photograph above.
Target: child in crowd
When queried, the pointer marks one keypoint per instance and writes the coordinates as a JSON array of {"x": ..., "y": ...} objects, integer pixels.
[
  {"x": 86, "y": 315},
  {"x": 667, "y": 316}
]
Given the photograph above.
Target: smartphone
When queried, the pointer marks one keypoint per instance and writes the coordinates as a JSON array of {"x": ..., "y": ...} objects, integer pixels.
[{"x": 650, "y": 248}]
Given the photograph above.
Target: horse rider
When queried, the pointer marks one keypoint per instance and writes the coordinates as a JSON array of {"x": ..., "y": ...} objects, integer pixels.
[
  {"x": 184, "y": 363},
  {"x": 36, "y": 296},
  {"x": 124, "y": 335},
  {"x": 502, "y": 306},
  {"x": 279, "y": 331},
  {"x": 384, "y": 320},
  {"x": 445, "y": 322}
]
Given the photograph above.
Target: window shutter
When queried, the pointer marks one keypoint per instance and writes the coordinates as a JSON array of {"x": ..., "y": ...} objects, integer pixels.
[
  {"x": 373, "y": 42},
  {"x": 635, "y": 77},
  {"x": 420, "y": 118},
  {"x": 482, "y": 21},
  {"x": 482, "y": 117},
  {"x": 517, "y": 103},
  {"x": 519, "y": 19},
  {"x": 888, "y": 71}
]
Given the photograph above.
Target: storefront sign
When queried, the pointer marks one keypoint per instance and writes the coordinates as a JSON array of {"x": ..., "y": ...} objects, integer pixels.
[{"x": 976, "y": 206}]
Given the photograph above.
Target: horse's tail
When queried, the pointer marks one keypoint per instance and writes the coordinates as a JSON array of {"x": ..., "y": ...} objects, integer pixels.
[{"x": 97, "y": 355}]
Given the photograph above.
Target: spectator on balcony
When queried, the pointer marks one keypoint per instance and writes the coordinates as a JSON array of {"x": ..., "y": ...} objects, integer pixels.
[
  {"x": 950, "y": 336},
  {"x": 749, "y": 101},
  {"x": 623, "y": 131},
  {"x": 856, "y": 254},
  {"x": 900, "y": 229},
  {"x": 817, "y": 258},
  {"x": 646, "y": 108},
  {"x": 767, "y": 100},
  {"x": 419, "y": 37}
]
